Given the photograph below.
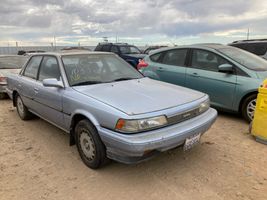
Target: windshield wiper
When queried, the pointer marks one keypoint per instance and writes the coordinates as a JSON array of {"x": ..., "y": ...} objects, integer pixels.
[
  {"x": 123, "y": 79},
  {"x": 87, "y": 83}
]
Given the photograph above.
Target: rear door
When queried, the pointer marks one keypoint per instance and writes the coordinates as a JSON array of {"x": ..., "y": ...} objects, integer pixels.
[
  {"x": 28, "y": 80},
  {"x": 203, "y": 75},
  {"x": 171, "y": 67},
  {"x": 49, "y": 99}
]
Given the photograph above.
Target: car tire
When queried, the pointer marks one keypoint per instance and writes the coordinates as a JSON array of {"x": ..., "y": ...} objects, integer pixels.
[
  {"x": 90, "y": 147},
  {"x": 3, "y": 96},
  {"x": 22, "y": 110},
  {"x": 248, "y": 107}
]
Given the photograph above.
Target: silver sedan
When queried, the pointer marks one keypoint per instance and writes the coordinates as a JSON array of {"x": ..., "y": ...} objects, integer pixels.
[{"x": 109, "y": 109}]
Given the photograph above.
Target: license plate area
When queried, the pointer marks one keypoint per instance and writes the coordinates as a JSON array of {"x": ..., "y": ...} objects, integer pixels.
[{"x": 191, "y": 141}]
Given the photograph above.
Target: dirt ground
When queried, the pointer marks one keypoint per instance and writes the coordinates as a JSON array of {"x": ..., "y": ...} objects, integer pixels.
[{"x": 36, "y": 162}]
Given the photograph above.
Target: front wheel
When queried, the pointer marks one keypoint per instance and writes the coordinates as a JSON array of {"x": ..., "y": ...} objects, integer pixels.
[
  {"x": 89, "y": 145},
  {"x": 248, "y": 107}
]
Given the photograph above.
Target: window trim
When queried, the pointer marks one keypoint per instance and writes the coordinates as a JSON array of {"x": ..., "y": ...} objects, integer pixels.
[
  {"x": 191, "y": 58},
  {"x": 163, "y": 53},
  {"x": 26, "y": 65},
  {"x": 38, "y": 73}
]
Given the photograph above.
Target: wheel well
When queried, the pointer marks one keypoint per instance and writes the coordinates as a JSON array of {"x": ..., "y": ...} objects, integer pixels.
[
  {"x": 14, "y": 94},
  {"x": 75, "y": 119},
  {"x": 244, "y": 97}
]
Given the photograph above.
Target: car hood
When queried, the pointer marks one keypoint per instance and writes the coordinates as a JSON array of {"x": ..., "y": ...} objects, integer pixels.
[
  {"x": 140, "y": 96},
  {"x": 136, "y": 55},
  {"x": 5, "y": 72}
]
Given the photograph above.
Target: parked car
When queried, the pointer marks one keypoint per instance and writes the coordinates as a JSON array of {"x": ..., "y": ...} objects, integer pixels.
[
  {"x": 24, "y": 52},
  {"x": 258, "y": 47},
  {"x": 129, "y": 53},
  {"x": 108, "y": 107},
  {"x": 229, "y": 75},
  {"x": 9, "y": 64},
  {"x": 79, "y": 48},
  {"x": 151, "y": 48}
]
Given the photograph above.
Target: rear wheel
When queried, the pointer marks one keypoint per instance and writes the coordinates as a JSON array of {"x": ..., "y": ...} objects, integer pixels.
[
  {"x": 89, "y": 145},
  {"x": 248, "y": 107},
  {"x": 22, "y": 110}
]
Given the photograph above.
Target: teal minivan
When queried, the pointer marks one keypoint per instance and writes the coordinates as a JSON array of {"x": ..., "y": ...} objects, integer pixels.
[{"x": 229, "y": 75}]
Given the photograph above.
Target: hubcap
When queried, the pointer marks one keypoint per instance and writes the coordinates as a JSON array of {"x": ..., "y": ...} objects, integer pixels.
[
  {"x": 20, "y": 106},
  {"x": 251, "y": 108},
  {"x": 87, "y": 145}
]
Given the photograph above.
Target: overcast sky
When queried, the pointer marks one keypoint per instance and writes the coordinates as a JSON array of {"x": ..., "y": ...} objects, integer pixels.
[{"x": 36, "y": 22}]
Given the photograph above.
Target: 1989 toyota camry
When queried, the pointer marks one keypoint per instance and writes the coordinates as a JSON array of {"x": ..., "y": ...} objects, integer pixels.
[{"x": 108, "y": 107}]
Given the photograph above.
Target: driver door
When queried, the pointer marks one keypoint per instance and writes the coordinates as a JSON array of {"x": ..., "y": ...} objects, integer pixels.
[
  {"x": 49, "y": 99},
  {"x": 203, "y": 75}
]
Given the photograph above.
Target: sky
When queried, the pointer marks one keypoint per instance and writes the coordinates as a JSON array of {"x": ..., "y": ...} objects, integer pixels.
[{"x": 139, "y": 22}]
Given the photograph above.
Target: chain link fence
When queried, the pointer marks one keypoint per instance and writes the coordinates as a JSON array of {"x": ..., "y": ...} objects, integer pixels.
[{"x": 14, "y": 50}]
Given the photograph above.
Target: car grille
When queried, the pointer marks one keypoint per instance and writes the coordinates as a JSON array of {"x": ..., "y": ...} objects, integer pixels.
[{"x": 183, "y": 116}]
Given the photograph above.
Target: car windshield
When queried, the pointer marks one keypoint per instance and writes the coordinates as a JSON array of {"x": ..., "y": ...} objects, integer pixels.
[
  {"x": 129, "y": 50},
  {"x": 94, "y": 69},
  {"x": 12, "y": 62},
  {"x": 245, "y": 58}
]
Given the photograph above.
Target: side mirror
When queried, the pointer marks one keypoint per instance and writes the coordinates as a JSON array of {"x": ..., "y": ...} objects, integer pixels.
[
  {"x": 52, "y": 82},
  {"x": 226, "y": 68}
]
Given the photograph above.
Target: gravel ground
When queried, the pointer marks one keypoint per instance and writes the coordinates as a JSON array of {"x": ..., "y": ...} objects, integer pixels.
[{"x": 36, "y": 162}]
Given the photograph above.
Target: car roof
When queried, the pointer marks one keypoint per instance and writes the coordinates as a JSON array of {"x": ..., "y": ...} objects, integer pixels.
[
  {"x": 207, "y": 46},
  {"x": 117, "y": 44},
  {"x": 65, "y": 53}
]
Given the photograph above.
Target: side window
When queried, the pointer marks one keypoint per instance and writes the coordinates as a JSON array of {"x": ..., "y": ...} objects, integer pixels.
[
  {"x": 98, "y": 48},
  {"x": 32, "y": 67},
  {"x": 155, "y": 57},
  {"x": 207, "y": 60},
  {"x": 175, "y": 57},
  {"x": 105, "y": 48},
  {"x": 49, "y": 68},
  {"x": 114, "y": 49}
]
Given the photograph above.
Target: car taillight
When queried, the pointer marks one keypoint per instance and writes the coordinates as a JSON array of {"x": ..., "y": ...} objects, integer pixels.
[
  {"x": 141, "y": 64},
  {"x": 2, "y": 80}
]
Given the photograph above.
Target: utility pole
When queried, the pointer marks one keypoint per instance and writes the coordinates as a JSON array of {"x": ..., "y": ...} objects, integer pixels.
[
  {"x": 248, "y": 34},
  {"x": 55, "y": 44}
]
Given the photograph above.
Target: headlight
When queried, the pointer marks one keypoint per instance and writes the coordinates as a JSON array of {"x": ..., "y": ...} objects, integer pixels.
[
  {"x": 204, "y": 106},
  {"x": 131, "y": 126}
]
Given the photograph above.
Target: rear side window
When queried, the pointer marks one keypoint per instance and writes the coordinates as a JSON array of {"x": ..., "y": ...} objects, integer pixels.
[
  {"x": 32, "y": 67},
  {"x": 155, "y": 57},
  {"x": 175, "y": 57},
  {"x": 258, "y": 49},
  {"x": 98, "y": 48},
  {"x": 105, "y": 48},
  {"x": 114, "y": 49},
  {"x": 49, "y": 68}
]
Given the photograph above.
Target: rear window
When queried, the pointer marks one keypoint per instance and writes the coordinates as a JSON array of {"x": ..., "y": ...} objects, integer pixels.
[
  {"x": 247, "y": 59},
  {"x": 12, "y": 62}
]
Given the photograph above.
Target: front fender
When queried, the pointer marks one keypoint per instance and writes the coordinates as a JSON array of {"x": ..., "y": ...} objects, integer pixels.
[{"x": 86, "y": 114}]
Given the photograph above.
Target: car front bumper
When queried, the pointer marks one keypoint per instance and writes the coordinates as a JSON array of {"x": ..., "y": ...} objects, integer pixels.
[{"x": 134, "y": 148}]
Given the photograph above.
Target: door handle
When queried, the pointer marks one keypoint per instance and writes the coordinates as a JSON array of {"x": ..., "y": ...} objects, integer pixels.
[
  {"x": 160, "y": 69},
  {"x": 194, "y": 74}
]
